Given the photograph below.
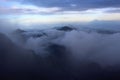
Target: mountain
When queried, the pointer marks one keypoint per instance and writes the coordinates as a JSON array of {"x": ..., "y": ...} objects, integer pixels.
[{"x": 14, "y": 58}]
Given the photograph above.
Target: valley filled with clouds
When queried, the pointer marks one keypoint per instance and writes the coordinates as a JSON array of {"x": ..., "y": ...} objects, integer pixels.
[{"x": 64, "y": 52}]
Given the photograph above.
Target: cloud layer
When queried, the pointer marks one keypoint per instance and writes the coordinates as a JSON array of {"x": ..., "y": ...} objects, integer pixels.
[
  {"x": 75, "y": 4},
  {"x": 61, "y": 53},
  {"x": 53, "y": 6}
]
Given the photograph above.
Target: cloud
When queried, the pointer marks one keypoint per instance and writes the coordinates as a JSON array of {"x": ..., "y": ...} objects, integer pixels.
[
  {"x": 23, "y": 9},
  {"x": 113, "y": 10},
  {"x": 77, "y": 52},
  {"x": 57, "y": 6},
  {"x": 101, "y": 48},
  {"x": 75, "y": 4}
]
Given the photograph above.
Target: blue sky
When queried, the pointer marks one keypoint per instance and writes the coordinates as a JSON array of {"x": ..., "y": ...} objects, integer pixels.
[{"x": 60, "y": 10}]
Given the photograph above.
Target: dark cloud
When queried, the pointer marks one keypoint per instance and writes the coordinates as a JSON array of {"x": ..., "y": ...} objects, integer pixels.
[{"x": 75, "y": 4}]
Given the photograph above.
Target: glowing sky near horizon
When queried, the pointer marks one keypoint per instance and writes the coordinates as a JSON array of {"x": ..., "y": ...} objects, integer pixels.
[{"x": 51, "y": 11}]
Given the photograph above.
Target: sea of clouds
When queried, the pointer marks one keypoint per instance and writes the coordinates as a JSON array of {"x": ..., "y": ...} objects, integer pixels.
[{"x": 77, "y": 45}]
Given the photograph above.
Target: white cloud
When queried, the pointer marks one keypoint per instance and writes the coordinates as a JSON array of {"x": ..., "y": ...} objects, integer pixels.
[{"x": 18, "y": 8}]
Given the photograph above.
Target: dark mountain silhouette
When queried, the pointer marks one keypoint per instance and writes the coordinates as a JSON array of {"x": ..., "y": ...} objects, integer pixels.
[
  {"x": 66, "y": 28},
  {"x": 14, "y": 59}
]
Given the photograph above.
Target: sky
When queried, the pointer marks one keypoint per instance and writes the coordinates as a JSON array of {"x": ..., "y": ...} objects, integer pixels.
[{"x": 52, "y": 11}]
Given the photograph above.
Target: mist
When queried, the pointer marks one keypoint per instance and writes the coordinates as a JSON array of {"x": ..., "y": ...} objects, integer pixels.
[{"x": 68, "y": 51}]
